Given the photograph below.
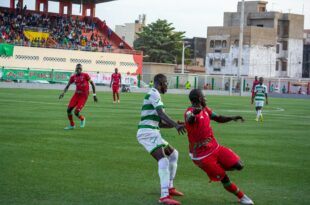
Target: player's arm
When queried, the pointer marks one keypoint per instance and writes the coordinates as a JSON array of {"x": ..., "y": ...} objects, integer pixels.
[
  {"x": 253, "y": 96},
  {"x": 224, "y": 119},
  {"x": 94, "y": 90},
  {"x": 111, "y": 81},
  {"x": 162, "y": 124},
  {"x": 169, "y": 122},
  {"x": 120, "y": 79},
  {"x": 65, "y": 90},
  {"x": 191, "y": 115},
  {"x": 266, "y": 96}
]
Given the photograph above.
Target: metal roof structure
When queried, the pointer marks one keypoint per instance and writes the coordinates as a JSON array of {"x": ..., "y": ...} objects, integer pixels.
[{"x": 85, "y": 1}]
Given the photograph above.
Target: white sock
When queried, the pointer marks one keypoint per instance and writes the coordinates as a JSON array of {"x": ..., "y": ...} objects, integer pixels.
[
  {"x": 257, "y": 113},
  {"x": 163, "y": 172},
  {"x": 173, "y": 165}
]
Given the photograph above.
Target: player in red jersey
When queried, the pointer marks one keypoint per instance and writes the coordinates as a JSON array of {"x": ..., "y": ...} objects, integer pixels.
[
  {"x": 80, "y": 96},
  {"x": 116, "y": 81},
  {"x": 255, "y": 83},
  {"x": 205, "y": 152}
]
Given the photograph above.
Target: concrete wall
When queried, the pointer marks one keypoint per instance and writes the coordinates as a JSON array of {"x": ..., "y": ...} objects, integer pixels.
[
  {"x": 151, "y": 69},
  {"x": 59, "y": 59},
  {"x": 295, "y": 55}
]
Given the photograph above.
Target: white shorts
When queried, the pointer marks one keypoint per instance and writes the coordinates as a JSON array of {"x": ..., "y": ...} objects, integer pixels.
[
  {"x": 259, "y": 103},
  {"x": 150, "y": 139}
]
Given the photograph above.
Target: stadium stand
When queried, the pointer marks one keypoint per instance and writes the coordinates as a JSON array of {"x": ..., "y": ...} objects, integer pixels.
[{"x": 37, "y": 29}]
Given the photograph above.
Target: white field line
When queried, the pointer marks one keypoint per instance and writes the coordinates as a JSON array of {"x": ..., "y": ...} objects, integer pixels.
[{"x": 275, "y": 111}]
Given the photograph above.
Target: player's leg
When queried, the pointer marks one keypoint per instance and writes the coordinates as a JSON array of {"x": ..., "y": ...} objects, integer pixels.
[
  {"x": 231, "y": 161},
  {"x": 153, "y": 143},
  {"x": 164, "y": 175},
  {"x": 80, "y": 105},
  {"x": 117, "y": 93},
  {"x": 114, "y": 93},
  {"x": 173, "y": 156},
  {"x": 73, "y": 102}
]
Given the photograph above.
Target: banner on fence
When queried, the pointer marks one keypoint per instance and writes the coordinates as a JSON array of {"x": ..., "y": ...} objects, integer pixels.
[{"x": 35, "y": 75}]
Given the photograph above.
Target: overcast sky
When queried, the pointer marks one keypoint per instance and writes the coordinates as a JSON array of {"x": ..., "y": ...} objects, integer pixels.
[{"x": 192, "y": 16}]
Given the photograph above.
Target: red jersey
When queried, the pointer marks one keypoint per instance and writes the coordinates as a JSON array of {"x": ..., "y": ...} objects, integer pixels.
[
  {"x": 116, "y": 78},
  {"x": 200, "y": 135},
  {"x": 82, "y": 83},
  {"x": 255, "y": 83}
]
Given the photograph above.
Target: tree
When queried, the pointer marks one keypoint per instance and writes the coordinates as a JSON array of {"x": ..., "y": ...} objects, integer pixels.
[{"x": 160, "y": 42}]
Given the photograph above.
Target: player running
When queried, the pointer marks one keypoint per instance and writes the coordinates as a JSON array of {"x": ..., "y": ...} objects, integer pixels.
[
  {"x": 80, "y": 96},
  {"x": 260, "y": 93},
  {"x": 116, "y": 81},
  {"x": 154, "y": 117},
  {"x": 205, "y": 152}
]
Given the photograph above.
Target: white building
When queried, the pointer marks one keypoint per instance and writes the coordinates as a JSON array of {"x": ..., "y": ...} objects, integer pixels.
[
  {"x": 273, "y": 43},
  {"x": 128, "y": 31}
]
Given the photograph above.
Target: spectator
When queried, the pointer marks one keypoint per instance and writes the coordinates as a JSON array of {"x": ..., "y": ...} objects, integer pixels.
[
  {"x": 283, "y": 89},
  {"x": 247, "y": 88},
  {"x": 188, "y": 85},
  {"x": 121, "y": 45}
]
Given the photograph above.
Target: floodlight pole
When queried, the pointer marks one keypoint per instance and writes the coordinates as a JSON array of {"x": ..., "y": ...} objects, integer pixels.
[
  {"x": 241, "y": 47},
  {"x": 183, "y": 56}
]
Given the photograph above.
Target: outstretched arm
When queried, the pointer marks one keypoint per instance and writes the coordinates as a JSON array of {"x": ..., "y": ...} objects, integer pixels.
[
  {"x": 94, "y": 90},
  {"x": 65, "y": 90},
  {"x": 224, "y": 119},
  {"x": 169, "y": 122},
  {"x": 266, "y": 96}
]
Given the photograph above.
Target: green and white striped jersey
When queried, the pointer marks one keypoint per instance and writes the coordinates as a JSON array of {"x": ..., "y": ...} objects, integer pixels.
[
  {"x": 260, "y": 91},
  {"x": 149, "y": 116}
]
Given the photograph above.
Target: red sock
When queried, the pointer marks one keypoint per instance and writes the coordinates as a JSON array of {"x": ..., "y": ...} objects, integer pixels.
[
  {"x": 232, "y": 188},
  {"x": 81, "y": 117},
  {"x": 70, "y": 117}
]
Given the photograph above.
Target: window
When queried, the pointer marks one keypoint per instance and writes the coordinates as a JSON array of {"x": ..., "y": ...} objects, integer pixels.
[
  {"x": 286, "y": 28},
  {"x": 218, "y": 44},
  {"x": 262, "y": 9},
  {"x": 277, "y": 65},
  {"x": 223, "y": 62},
  {"x": 278, "y": 48},
  {"x": 211, "y": 61},
  {"x": 284, "y": 66},
  {"x": 260, "y": 25},
  {"x": 224, "y": 44},
  {"x": 284, "y": 45},
  {"x": 235, "y": 62},
  {"x": 236, "y": 43},
  {"x": 211, "y": 44}
]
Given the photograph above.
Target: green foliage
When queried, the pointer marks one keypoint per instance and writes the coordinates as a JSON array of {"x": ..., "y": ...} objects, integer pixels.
[{"x": 160, "y": 42}]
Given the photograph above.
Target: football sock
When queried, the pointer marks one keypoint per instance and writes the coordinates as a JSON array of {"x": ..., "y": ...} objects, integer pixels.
[
  {"x": 70, "y": 117},
  {"x": 163, "y": 172},
  {"x": 232, "y": 188},
  {"x": 257, "y": 113},
  {"x": 173, "y": 165},
  {"x": 79, "y": 116}
]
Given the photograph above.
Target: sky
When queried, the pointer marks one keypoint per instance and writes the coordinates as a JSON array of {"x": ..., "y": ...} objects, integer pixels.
[{"x": 192, "y": 16}]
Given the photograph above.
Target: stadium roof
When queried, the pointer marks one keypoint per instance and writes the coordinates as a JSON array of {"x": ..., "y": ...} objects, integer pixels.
[{"x": 86, "y": 1}]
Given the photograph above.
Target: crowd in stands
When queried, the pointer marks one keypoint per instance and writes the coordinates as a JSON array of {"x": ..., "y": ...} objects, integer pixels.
[{"x": 64, "y": 32}]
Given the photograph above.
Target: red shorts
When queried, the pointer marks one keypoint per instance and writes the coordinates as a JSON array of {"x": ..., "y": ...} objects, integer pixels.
[
  {"x": 78, "y": 101},
  {"x": 218, "y": 162},
  {"x": 115, "y": 88}
]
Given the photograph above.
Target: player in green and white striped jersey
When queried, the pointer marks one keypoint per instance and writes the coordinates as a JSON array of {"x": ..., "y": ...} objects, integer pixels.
[
  {"x": 153, "y": 117},
  {"x": 260, "y": 94}
]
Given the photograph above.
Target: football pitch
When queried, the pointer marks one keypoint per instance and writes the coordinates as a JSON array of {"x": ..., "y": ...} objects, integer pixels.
[{"x": 42, "y": 164}]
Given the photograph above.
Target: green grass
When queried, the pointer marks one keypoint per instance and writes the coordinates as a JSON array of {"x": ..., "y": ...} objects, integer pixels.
[{"x": 41, "y": 164}]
